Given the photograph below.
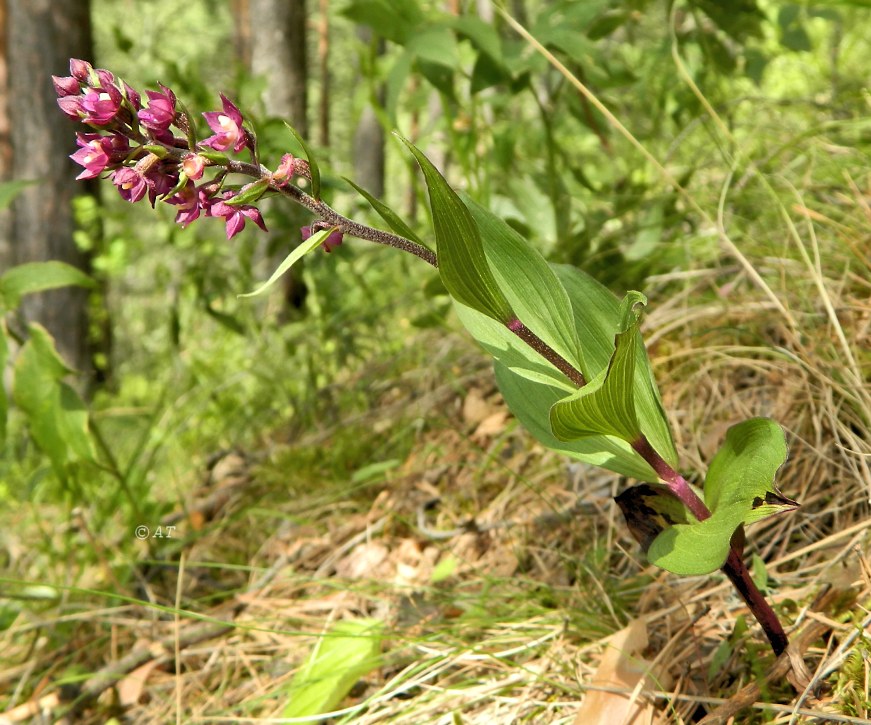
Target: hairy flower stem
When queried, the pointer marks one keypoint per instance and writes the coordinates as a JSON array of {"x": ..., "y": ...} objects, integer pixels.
[
  {"x": 332, "y": 217},
  {"x": 547, "y": 352}
]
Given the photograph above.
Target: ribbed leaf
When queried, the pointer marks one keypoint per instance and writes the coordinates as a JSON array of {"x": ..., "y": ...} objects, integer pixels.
[
  {"x": 739, "y": 489},
  {"x": 529, "y": 284},
  {"x": 462, "y": 264},
  {"x": 606, "y": 404}
]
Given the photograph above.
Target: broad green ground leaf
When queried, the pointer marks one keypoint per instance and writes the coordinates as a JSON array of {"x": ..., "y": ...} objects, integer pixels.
[
  {"x": 739, "y": 489},
  {"x": 697, "y": 548},
  {"x": 309, "y": 245},
  {"x": 56, "y": 415},
  {"x": 37, "y": 277},
  {"x": 312, "y": 161},
  {"x": 350, "y": 650},
  {"x": 606, "y": 404},
  {"x": 387, "y": 214},
  {"x": 529, "y": 284},
  {"x": 745, "y": 467},
  {"x": 462, "y": 264}
]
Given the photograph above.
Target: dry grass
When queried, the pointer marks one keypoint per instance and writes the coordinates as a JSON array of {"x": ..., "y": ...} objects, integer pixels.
[{"x": 500, "y": 569}]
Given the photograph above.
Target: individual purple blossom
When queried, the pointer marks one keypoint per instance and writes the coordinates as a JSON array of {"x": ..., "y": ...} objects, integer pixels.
[
  {"x": 333, "y": 240},
  {"x": 71, "y": 106},
  {"x": 191, "y": 202},
  {"x": 234, "y": 216},
  {"x": 227, "y": 127},
  {"x": 285, "y": 171},
  {"x": 66, "y": 86},
  {"x": 80, "y": 70},
  {"x": 161, "y": 110},
  {"x": 193, "y": 166},
  {"x": 130, "y": 182},
  {"x": 97, "y": 152},
  {"x": 161, "y": 179},
  {"x": 133, "y": 96},
  {"x": 99, "y": 107}
]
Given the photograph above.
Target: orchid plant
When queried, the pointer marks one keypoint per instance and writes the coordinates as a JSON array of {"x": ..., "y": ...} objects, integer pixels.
[{"x": 569, "y": 357}]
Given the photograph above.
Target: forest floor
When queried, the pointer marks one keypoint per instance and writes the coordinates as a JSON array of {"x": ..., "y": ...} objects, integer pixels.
[{"x": 494, "y": 580}]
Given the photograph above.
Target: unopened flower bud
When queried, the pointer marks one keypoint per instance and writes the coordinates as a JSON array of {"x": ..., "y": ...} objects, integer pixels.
[{"x": 80, "y": 70}]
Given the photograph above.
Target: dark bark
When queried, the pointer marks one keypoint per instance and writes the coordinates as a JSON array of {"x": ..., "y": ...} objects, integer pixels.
[{"x": 41, "y": 37}]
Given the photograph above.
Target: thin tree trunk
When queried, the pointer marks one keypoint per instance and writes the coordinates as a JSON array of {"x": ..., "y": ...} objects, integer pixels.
[
  {"x": 41, "y": 37},
  {"x": 278, "y": 52},
  {"x": 5, "y": 143},
  {"x": 324, "y": 64}
]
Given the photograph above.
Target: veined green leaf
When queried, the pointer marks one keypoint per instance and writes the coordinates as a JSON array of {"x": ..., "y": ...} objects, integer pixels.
[
  {"x": 312, "y": 162},
  {"x": 249, "y": 195},
  {"x": 745, "y": 467},
  {"x": 597, "y": 317},
  {"x": 739, "y": 489},
  {"x": 350, "y": 650},
  {"x": 697, "y": 548},
  {"x": 530, "y": 402},
  {"x": 37, "y": 277},
  {"x": 462, "y": 264},
  {"x": 393, "y": 219},
  {"x": 606, "y": 404},
  {"x": 298, "y": 253},
  {"x": 56, "y": 415},
  {"x": 529, "y": 284}
]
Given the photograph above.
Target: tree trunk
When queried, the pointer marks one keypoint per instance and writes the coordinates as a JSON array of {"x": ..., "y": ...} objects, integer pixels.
[
  {"x": 278, "y": 52},
  {"x": 41, "y": 38},
  {"x": 369, "y": 134},
  {"x": 278, "y": 45}
]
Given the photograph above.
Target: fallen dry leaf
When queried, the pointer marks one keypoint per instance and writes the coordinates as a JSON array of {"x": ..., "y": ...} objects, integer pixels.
[{"x": 623, "y": 668}]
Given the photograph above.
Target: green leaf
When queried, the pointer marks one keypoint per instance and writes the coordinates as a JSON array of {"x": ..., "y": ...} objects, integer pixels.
[
  {"x": 597, "y": 316},
  {"x": 462, "y": 264},
  {"x": 606, "y": 404},
  {"x": 37, "y": 277},
  {"x": 298, "y": 253},
  {"x": 394, "y": 221},
  {"x": 250, "y": 194},
  {"x": 739, "y": 489},
  {"x": 312, "y": 162},
  {"x": 350, "y": 650},
  {"x": 56, "y": 415},
  {"x": 697, "y": 548},
  {"x": 529, "y": 284},
  {"x": 391, "y": 19},
  {"x": 10, "y": 189},
  {"x": 435, "y": 44},
  {"x": 745, "y": 467}
]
